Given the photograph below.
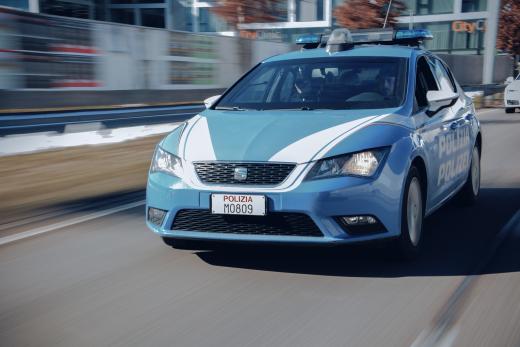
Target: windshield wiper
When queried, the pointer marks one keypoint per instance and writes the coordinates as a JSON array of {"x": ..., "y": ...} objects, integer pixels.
[
  {"x": 303, "y": 108},
  {"x": 230, "y": 108}
]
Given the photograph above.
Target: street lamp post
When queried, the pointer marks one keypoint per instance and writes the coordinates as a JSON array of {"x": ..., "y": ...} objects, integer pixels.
[{"x": 490, "y": 42}]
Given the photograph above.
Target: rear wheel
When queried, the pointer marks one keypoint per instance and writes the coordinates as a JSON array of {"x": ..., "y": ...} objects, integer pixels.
[
  {"x": 510, "y": 110},
  {"x": 470, "y": 192},
  {"x": 409, "y": 242}
]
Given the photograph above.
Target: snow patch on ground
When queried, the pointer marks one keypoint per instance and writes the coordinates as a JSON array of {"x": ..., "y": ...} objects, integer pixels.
[{"x": 38, "y": 142}]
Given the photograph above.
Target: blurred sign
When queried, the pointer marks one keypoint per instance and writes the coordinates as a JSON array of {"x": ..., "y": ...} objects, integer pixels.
[
  {"x": 192, "y": 60},
  {"x": 468, "y": 27},
  {"x": 48, "y": 52},
  {"x": 261, "y": 35}
]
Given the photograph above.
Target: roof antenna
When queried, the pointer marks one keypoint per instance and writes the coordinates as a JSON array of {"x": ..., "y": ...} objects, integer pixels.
[{"x": 387, "y": 12}]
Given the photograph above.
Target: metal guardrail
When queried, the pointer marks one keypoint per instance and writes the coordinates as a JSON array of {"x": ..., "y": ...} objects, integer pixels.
[
  {"x": 38, "y": 122},
  {"x": 113, "y": 117},
  {"x": 486, "y": 89}
]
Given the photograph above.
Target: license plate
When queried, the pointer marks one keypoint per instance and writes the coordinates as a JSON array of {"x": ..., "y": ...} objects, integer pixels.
[{"x": 238, "y": 204}]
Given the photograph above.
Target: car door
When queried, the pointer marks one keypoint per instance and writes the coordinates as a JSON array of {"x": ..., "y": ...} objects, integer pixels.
[
  {"x": 433, "y": 128},
  {"x": 455, "y": 145}
]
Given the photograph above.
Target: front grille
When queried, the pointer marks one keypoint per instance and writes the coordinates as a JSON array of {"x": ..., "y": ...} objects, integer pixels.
[
  {"x": 275, "y": 223},
  {"x": 257, "y": 173}
]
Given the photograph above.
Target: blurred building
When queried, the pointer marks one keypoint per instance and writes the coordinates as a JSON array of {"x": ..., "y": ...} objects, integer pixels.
[
  {"x": 459, "y": 26},
  {"x": 185, "y": 15}
]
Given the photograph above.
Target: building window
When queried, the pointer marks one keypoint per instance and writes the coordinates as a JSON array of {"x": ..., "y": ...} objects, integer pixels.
[
  {"x": 424, "y": 7},
  {"x": 471, "y": 39},
  {"x": 309, "y": 10},
  {"x": 454, "y": 37},
  {"x": 474, "y": 5},
  {"x": 83, "y": 9},
  {"x": 123, "y": 15},
  {"x": 137, "y": 1},
  {"x": 21, "y": 4},
  {"x": 152, "y": 17},
  {"x": 441, "y": 36},
  {"x": 210, "y": 22}
]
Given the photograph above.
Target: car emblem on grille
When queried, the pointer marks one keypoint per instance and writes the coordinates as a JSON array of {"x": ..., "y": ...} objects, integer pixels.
[{"x": 240, "y": 173}]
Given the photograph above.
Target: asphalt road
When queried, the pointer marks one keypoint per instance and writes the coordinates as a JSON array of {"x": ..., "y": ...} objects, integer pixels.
[{"x": 111, "y": 282}]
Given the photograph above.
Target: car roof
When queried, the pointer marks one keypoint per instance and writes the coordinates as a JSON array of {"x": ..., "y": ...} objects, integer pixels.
[{"x": 397, "y": 51}]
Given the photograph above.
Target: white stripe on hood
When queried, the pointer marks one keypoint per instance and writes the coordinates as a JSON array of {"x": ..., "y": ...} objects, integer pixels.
[
  {"x": 198, "y": 144},
  {"x": 311, "y": 146}
]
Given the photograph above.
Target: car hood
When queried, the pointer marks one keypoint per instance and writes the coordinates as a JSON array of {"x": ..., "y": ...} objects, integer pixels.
[{"x": 276, "y": 136}]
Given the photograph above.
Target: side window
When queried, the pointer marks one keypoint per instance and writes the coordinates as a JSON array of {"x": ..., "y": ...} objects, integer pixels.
[
  {"x": 425, "y": 81},
  {"x": 452, "y": 79},
  {"x": 444, "y": 79}
]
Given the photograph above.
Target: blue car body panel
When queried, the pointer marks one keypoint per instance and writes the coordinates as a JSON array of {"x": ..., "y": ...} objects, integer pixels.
[{"x": 302, "y": 137}]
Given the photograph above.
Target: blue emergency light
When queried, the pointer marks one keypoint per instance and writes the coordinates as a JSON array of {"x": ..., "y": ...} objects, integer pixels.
[
  {"x": 413, "y": 34},
  {"x": 342, "y": 39},
  {"x": 308, "y": 38},
  {"x": 309, "y": 41}
]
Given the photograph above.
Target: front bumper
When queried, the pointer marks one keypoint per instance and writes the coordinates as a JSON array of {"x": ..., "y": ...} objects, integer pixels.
[
  {"x": 512, "y": 98},
  {"x": 322, "y": 200}
]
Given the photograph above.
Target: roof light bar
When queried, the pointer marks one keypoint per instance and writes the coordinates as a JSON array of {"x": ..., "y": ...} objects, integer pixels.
[
  {"x": 343, "y": 39},
  {"x": 372, "y": 35},
  {"x": 339, "y": 40}
]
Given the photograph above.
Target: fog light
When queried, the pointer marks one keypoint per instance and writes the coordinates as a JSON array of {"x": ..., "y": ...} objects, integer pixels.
[
  {"x": 156, "y": 216},
  {"x": 360, "y": 225},
  {"x": 351, "y": 220},
  {"x": 359, "y": 220}
]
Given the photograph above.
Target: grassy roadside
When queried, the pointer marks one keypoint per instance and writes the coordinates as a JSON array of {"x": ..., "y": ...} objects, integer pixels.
[{"x": 38, "y": 180}]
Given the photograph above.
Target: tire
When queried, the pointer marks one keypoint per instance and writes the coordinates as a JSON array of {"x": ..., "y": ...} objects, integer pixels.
[
  {"x": 510, "y": 110},
  {"x": 409, "y": 242},
  {"x": 469, "y": 193}
]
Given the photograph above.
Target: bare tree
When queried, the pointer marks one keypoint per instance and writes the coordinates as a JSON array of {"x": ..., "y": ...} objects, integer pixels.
[
  {"x": 508, "y": 39},
  {"x": 365, "y": 14},
  {"x": 236, "y": 12}
]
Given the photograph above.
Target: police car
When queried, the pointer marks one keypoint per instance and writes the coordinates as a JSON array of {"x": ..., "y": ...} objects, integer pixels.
[{"x": 356, "y": 137}]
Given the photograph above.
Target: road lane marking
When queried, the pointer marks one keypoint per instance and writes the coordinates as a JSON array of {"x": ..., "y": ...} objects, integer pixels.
[
  {"x": 67, "y": 223},
  {"x": 443, "y": 330}
]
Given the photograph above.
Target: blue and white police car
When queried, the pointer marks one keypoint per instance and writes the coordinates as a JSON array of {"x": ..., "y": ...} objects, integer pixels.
[{"x": 357, "y": 137}]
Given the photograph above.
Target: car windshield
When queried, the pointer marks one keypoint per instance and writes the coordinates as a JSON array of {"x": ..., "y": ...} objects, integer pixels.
[{"x": 330, "y": 83}]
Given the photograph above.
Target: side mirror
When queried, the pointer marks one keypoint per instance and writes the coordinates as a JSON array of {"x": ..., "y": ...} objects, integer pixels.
[
  {"x": 439, "y": 99},
  {"x": 211, "y": 100},
  {"x": 509, "y": 80}
]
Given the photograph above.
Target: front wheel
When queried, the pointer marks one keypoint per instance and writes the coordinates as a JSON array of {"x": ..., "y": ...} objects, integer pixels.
[
  {"x": 510, "y": 110},
  {"x": 470, "y": 191},
  {"x": 409, "y": 242}
]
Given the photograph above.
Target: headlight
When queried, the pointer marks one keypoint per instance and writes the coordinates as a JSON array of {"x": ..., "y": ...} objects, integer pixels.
[
  {"x": 356, "y": 164},
  {"x": 166, "y": 162}
]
